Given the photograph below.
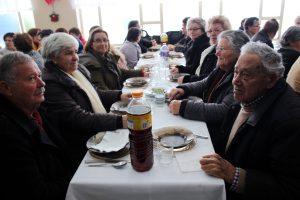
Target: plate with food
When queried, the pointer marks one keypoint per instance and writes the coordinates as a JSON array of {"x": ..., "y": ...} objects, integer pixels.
[
  {"x": 156, "y": 90},
  {"x": 174, "y": 77},
  {"x": 179, "y": 138},
  {"x": 174, "y": 54},
  {"x": 147, "y": 55},
  {"x": 136, "y": 81}
]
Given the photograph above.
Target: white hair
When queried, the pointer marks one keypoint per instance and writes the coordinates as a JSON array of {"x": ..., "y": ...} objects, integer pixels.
[{"x": 55, "y": 43}]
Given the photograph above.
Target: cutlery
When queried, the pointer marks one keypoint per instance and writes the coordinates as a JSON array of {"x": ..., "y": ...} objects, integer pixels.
[
  {"x": 201, "y": 136},
  {"x": 91, "y": 161},
  {"x": 116, "y": 165}
]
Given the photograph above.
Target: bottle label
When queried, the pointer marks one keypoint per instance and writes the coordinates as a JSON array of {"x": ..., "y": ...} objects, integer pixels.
[{"x": 139, "y": 122}]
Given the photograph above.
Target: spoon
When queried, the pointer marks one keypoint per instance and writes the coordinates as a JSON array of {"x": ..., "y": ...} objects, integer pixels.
[{"x": 117, "y": 165}]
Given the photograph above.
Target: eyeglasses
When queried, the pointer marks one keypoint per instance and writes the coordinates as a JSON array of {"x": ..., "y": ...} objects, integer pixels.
[
  {"x": 193, "y": 29},
  {"x": 221, "y": 49},
  {"x": 100, "y": 40},
  {"x": 247, "y": 74},
  {"x": 214, "y": 31}
]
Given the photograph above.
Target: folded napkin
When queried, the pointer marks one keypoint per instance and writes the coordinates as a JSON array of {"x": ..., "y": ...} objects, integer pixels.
[
  {"x": 188, "y": 161},
  {"x": 113, "y": 141}
]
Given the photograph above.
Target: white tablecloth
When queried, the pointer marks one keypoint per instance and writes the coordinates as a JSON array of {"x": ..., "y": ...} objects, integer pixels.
[{"x": 181, "y": 180}]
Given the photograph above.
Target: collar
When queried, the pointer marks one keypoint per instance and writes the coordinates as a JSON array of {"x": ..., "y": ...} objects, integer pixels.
[
  {"x": 15, "y": 114},
  {"x": 266, "y": 102}
]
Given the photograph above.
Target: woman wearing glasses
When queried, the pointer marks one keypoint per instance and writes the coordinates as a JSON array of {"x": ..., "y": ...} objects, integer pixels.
[
  {"x": 199, "y": 42},
  {"x": 216, "y": 90},
  {"x": 102, "y": 64},
  {"x": 208, "y": 59}
]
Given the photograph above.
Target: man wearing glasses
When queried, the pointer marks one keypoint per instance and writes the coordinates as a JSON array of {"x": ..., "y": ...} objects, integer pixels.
[{"x": 258, "y": 143}]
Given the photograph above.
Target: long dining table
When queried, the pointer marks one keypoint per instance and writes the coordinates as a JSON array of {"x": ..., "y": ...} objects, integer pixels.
[{"x": 182, "y": 179}]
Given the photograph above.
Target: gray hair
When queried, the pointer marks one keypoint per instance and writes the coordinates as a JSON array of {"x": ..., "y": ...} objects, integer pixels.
[
  {"x": 220, "y": 19},
  {"x": 292, "y": 34},
  {"x": 270, "y": 59},
  {"x": 9, "y": 63},
  {"x": 235, "y": 38},
  {"x": 197, "y": 20},
  {"x": 55, "y": 43}
]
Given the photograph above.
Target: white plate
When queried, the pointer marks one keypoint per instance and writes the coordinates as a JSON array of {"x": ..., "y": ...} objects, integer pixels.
[
  {"x": 174, "y": 54},
  {"x": 119, "y": 107},
  {"x": 108, "y": 142},
  {"x": 180, "y": 138}
]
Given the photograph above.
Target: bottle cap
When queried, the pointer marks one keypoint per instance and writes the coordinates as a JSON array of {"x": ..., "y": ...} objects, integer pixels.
[{"x": 137, "y": 94}]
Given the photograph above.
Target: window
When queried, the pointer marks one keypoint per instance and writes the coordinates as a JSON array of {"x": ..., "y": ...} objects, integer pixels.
[
  {"x": 157, "y": 16},
  {"x": 15, "y": 16}
]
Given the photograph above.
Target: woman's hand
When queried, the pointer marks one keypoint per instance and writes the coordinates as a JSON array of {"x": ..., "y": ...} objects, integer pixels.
[
  {"x": 125, "y": 97},
  {"x": 215, "y": 165},
  {"x": 175, "y": 93},
  {"x": 174, "y": 107}
]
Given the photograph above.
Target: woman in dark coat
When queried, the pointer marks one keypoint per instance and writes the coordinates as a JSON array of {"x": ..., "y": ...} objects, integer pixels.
[
  {"x": 80, "y": 107},
  {"x": 105, "y": 73},
  {"x": 199, "y": 42},
  {"x": 290, "y": 47}
]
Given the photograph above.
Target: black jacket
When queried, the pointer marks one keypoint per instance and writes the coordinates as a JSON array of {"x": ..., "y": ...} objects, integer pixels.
[
  {"x": 66, "y": 100},
  {"x": 289, "y": 56},
  {"x": 193, "y": 54},
  {"x": 267, "y": 146},
  {"x": 35, "y": 165},
  {"x": 263, "y": 37}
]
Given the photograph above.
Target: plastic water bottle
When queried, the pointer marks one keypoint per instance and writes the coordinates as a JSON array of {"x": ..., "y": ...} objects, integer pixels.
[
  {"x": 164, "y": 60},
  {"x": 164, "y": 51},
  {"x": 140, "y": 132}
]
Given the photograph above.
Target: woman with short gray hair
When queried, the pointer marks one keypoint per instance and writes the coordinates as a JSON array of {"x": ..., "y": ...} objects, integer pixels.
[
  {"x": 59, "y": 42},
  {"x": 215, "y": 91},
  {"x": 290, "y": 47},
  {"x": 199, "y": 42},
  {"x": 80, "y": 107},
  {"x": 235, "y": 39}
]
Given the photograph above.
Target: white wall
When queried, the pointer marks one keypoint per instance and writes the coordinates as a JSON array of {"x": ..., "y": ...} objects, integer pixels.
[{"x": 41, "y": 12}]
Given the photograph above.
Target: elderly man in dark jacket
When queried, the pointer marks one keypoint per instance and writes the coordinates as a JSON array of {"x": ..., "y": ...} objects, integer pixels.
[
  {"x": 35, "y": 164},
  {"x": 258, "y": 146}
]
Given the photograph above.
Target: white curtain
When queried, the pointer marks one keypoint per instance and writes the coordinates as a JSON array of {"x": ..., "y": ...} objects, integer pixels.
[{"x": 10, "y": 6}]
